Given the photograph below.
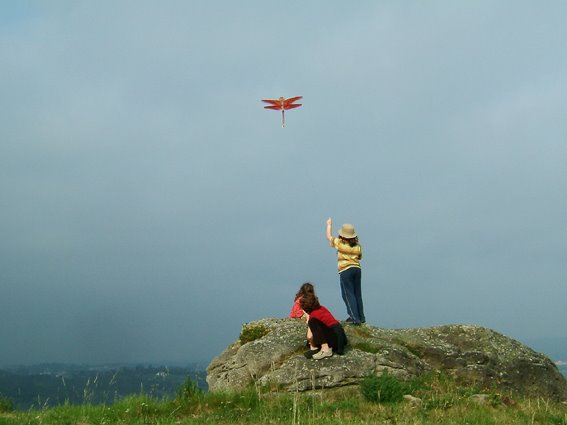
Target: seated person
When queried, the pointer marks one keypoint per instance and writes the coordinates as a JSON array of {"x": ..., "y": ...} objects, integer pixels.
[
  {"x": 325, "y": 333},
  {"x": 296, "y": 311}
]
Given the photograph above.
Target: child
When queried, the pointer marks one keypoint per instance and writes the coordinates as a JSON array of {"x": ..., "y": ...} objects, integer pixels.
[
  {"x": 325, "y": 333},
  {"x": 349, "y": 254},
  {"x": 296, "y": 311}
]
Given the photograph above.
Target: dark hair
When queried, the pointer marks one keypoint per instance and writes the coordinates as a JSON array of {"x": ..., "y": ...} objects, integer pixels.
[
  {"x": 306, "y": 288},
  {"x": 309, "y": 302},
  {"x": 351, "y": 241}
]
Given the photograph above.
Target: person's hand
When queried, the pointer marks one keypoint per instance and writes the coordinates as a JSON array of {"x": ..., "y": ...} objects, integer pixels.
[{"x": 329, "y": 221}]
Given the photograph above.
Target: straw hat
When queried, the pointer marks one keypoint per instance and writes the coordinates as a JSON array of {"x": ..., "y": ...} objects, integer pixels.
[{"x": 347, "y": 231}]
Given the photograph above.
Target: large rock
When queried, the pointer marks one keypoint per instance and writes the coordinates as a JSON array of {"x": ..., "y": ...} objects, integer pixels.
[{"x": 472, "y": 354}]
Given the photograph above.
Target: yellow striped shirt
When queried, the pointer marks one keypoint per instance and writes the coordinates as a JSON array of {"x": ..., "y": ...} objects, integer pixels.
[{"x": 347, "y": 256}]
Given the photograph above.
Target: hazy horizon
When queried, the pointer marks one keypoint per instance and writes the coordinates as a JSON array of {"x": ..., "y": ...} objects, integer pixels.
[
  {"x": 554, "y": 348},
  {"x": 150, "y": 205}
]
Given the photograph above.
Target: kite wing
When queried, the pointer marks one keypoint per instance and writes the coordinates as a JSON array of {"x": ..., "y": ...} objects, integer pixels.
[
  {"x": 275, "y": 102},
  {"x": 292, "y": 106},
  {"x": 289, "y": 101}
]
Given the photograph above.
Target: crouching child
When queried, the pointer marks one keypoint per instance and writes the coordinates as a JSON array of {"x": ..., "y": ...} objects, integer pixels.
[{"x": 325, "y": 334}]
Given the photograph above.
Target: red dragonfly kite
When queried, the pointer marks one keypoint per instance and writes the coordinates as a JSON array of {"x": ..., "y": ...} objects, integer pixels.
[{"x": 283, "y": 104}]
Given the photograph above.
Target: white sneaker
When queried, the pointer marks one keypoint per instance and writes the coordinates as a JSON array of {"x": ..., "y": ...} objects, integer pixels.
[{"x": 322, "y": 354}]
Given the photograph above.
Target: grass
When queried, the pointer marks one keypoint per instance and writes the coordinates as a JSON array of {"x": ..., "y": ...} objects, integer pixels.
[
  {"x": 252, "y": 331},
  {"x": 442, "y": 402}
]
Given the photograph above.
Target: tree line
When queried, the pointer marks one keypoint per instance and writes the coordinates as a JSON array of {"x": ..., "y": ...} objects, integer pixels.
[{"x": 51, "y": 385}]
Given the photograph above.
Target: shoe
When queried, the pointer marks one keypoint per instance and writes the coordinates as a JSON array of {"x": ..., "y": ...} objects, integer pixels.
[
  {"x": 322, "y": 354},
  {"x": 309, "y": 354},
  {"x": 349, "y": 320}
]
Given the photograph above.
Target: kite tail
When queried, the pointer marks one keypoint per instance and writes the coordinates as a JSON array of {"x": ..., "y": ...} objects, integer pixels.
[{"x": 283, "y": 118}]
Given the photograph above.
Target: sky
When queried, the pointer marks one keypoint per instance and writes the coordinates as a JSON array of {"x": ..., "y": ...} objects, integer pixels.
[{"x": 150, "y": 206}]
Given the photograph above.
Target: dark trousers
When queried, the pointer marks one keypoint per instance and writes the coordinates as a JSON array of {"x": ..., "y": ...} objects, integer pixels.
[
  {"x": 334, "y": 335},
  {"x": 351, "y": 292}
]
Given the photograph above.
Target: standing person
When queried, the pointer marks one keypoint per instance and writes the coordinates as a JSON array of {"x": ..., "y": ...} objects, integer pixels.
[
  {"x": 296, "y": 311},
  {"x": 324, "y": 333},
  {"x": 349, "y": 254}
]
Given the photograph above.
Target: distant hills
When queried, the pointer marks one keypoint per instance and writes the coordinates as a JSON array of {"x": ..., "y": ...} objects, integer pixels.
[{"x": 48, "y": 385}]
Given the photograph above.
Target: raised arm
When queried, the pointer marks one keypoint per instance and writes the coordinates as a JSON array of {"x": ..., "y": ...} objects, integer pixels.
[{"x": 330, "y": 230}]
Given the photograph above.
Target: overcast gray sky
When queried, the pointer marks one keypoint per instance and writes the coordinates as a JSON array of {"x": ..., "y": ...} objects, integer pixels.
[{"x": 150, "y": 205}]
